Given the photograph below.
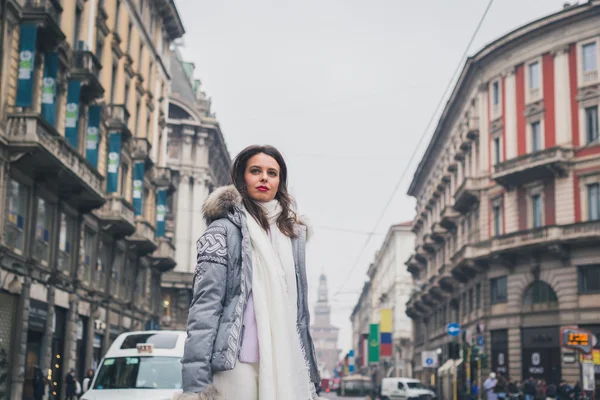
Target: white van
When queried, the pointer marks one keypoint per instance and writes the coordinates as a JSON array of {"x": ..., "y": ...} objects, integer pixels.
[
  {"x": 140, "y": 365},
  {"x": 405, "y": 389}
]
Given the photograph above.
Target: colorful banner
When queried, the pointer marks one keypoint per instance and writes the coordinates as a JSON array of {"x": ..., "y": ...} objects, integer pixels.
[
  {"x": 374, "y": 343},
  {"x": 364, "y": 356},
  {"x": 114, "y": 160},
  {"x": 351, "y": 361},
  {"x": 161, "y": 212},
  {"x": 49, "y": 87},
  {"x": 386, "y": 327},
  {"x": 26, "y": 65},
  {"x": 72, "y": 113},
  {"x": 139, "y": 168},
  {"x": 92, "y": 135}
]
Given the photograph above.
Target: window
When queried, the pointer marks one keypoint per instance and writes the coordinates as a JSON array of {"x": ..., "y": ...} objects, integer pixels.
[
  {"x": 41, "y": 248},
  {"x": 497, "y": 158},
  {"x": 117, "y": 270},
  {"x": 66, "y": 239},
  {"x": 496, "y": 93},
  {"x": 137, "y": 118},
  {"x": 593, "y": 201},
  {"x": 590, "y": 59},
  {"x": 497, "y": 211},
  {"x": 99, "y": 48},
  {"x": 498, "y": 290},
  {"x": 478, "y": 296},
  {"x": 140, "y": 286},
  {"x": 124, "y": 175},
  {"x": 591, "y": 124},
  {"x": 539, "y": 293},
  {"x": 589, "y": 279},
  {"x": 129, "y": 34},
  {"x": 536, "y": 136},
  {"x": 139, "y": 372},
  {"x": 534, "y": 76},
  {"x": 536, "y": 209},
  {"x": 471, "y": 301},
  {"x": 14, "y": 228},
  {"x": 89, "y": 250},
  {"x": 104, "y": 252},
  {"x": 118, "y": 8}
]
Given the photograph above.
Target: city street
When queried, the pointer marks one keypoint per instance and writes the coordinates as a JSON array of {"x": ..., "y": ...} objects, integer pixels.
[{"x": 334, "y": 396}]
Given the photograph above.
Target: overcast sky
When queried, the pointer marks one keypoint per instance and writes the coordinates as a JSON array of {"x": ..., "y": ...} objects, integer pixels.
[{"x": 344, "y": 88}]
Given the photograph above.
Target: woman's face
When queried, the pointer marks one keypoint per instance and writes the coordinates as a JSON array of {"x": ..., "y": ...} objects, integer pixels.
[{"x": 262, "y": 177}]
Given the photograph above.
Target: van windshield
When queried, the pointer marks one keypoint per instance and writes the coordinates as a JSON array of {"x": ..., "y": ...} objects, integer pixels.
[{"x": 139, "y": 373}]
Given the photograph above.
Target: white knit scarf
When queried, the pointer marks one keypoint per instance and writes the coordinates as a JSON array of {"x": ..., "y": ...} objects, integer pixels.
[{"x": 282, "y": 371}]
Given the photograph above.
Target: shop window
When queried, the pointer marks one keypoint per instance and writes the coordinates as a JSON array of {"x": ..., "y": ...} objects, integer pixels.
[
  {"x": 539, "y": 292},
  {"x": 589, "y": 279},
  {"x": 66, "y": 239},
  {"x": 591, "y": 124},
  {"x": 44, "y": 215},
  {"x": 498, "y": 290},
  {"x": 89, "y": 249},
  {"x": 14, "y": 228}
]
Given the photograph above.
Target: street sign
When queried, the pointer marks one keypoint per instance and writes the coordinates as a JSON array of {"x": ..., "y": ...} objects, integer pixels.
[
  {"x": 453, "y": 329},
  {"x": 578, "y": 339},
  {"x": 480, "y": 340},
  {"x": 429, "y": 359}
]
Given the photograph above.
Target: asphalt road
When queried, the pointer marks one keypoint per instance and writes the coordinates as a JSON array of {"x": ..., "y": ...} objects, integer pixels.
[{"x": 334, "y": 396}]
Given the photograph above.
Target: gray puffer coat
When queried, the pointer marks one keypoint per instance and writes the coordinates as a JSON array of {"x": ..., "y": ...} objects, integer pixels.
[{"x": 222, "y": 282}]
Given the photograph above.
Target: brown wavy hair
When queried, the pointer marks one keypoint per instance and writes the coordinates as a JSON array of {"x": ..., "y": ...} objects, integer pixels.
[{"x": 287, "y": 220}]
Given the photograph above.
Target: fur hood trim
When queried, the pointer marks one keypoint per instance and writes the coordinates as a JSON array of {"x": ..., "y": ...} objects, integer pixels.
[
  {"x": 225, "y": 199},
  {"x": 209, "y": 393}
]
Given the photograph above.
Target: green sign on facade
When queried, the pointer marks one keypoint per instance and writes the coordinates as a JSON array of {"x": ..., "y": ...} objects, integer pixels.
[{"x": 374, "y": 343}]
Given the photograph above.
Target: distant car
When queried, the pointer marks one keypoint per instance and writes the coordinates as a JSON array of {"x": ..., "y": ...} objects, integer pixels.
[
  {"x": 405, "y": 389},
  {"x": 140, "y": 365}
]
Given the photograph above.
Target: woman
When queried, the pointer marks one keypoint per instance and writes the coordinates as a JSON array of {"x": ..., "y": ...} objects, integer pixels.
[
  {"x": 87, "y": 381},
  {"x": 248, "y": 324},
  {"x": 39, "y": 384}
]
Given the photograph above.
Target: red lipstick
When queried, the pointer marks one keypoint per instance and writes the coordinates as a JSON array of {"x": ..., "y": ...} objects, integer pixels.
[{"x": 262, "y": 189}]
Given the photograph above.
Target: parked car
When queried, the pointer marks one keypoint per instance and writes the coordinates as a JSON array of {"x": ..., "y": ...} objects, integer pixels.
[{"x": 355, "y": 385}]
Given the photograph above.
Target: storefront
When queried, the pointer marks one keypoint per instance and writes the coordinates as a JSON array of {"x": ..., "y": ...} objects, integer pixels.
[
  {"x": 114, "y": 333},
  {"x": 541, "y": 354},
  {"x": 99, "y": 329},
  {"x": 499, "y": 351},
  {"x": 38, "y": 318},
  {"x": 8, "y": 305},
  {"x": 82, "y": 334},
  {"x": 595, "y": 329}
]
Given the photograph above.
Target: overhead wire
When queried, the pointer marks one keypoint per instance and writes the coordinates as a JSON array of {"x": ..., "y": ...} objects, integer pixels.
[{"x": 419, "y": 143}]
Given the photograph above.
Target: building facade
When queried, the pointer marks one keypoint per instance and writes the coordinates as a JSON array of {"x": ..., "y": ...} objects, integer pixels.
[
  {"x": 198, "y": 158},
  {"x": 508, "y": 202},
  {"x": 325, "y": 335},
  {"x": 83, "y": 181},
  {"x": 389, "y": 287}
]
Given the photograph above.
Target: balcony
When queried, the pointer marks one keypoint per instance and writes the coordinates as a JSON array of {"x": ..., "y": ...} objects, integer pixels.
[
  {"x": 141, "y": 150},
  {"x": 447, "y": 281},
  {"x": 39, "y": 151},
  {"x": 86, "y": 68},
  {"x": 468, "y": 260},
  {"x": 473, "y": 128},
  {"x": 532, "y": 167},
  {"x": 46, "y": 15},
  {"x": 143, "y": 237},
  {"x": 117, "y": 216},
  {"x": 421, "y": 254},
  {"x": 546, "y": 237},
  {"x": 413, "y": 266},
  {"x": 164, "y": 255},
  {"x": 468, "y": 193},
  {"x": 428, "y": 243},
  {"x": 438, "y": 232},
  {"x": 162, "y": 178},
  {"x": 116, "y": 118},
  {"x": 449, "y": 216}
]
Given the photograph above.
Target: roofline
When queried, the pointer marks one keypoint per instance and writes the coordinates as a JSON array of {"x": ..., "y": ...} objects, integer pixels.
[{"x": 473, "y": 63}]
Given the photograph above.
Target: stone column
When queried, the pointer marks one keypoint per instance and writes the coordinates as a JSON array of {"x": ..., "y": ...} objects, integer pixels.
[
  {"x": 46, "y": 359},
  {"x": 20, "y": 342},
  {"x": 182, "y": 226},
  {"x": 562, "y": 109},
  {"x": 514, "y": 353},
  {"x": 482, "y": 111},
  {"x": 198, "y": 226},
  {"x": 89, "y": 348},
  {"x": 70, "y": 351}
]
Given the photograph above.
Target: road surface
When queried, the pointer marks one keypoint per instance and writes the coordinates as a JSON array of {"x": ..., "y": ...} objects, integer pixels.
[{"x": 329, "y": 396}]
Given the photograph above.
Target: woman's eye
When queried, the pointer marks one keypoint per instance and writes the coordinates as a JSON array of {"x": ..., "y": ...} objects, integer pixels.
[
  {"x": 254, "y": 171},
  {"x": 273, "y": 173}
]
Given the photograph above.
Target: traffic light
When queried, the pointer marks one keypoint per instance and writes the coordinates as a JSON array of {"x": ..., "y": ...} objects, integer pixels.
[
  {"x": 484, "y": 361},
  {"x": 454, "y": 350}
]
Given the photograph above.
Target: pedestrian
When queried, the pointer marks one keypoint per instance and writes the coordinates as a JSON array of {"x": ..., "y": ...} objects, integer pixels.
[
  {"x": 39, "y": 384},
  {"x": 551, "y": 391},
  {"x": 71, "y": 386},
  {"x": 500, "y": 388},
  {"x": 529, "y": 389},
  {"x": 87, "y": 381},
  {"x": 248, "y": 322},
  {"x": 577, "y": 391},
  {"x": 489, "y": 385},
  {"x": 513, "y": 389},
  {"x": 540, "y": 390}
]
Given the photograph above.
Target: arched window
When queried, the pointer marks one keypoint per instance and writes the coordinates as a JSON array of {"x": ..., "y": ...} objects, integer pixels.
[{"x": 539, "y": 292}]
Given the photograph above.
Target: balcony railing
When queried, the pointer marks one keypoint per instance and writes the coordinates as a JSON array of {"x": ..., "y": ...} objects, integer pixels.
[
  {"x": 590, "y": 76},
  {"x": 117, "y": 118},
  {"x": 532, "y": 167},
  {"x": 467, "y": 193},
  {"x": 44, "y": 154},
  {"x": 117, "y": 216},
  {"x": 473, "y": 128},
  {"x": 46, "y": 14},
  {"x": 141, "y": 149},
  {"x": 164, "y": 255},
  {"x": 438, "y": 232},
  {"x": 86, "y": 68},
  {"x": 144, "y": 237},
  {"x": 449, "y": 217}
]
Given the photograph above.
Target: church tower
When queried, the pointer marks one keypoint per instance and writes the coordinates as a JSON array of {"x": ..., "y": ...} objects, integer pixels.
[{"x": 325, "y": 336}]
